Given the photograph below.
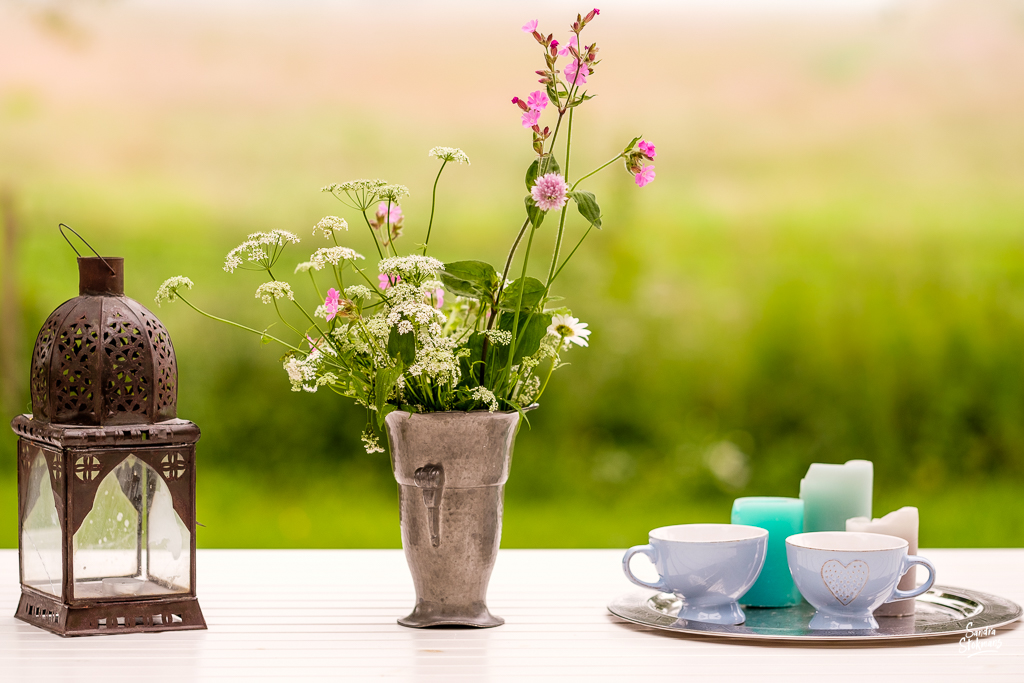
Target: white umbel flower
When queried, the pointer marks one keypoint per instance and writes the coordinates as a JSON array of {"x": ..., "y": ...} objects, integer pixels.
[
  {"x": 485, "y": 396},
  {"x": 411, "y": 267},
  {"x": 168, "y": 291},
  {"x": 358, "y": 292},
  {"x": 334, "y": 256},
  {"x": 328, "y": 225},
  {"x": 269, "y": 291},
  {"x": 449, "y": 154},
  {"x": 570, "y": 329}
]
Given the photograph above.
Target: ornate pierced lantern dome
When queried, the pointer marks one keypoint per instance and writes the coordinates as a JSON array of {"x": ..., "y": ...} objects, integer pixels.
[{"x": 102, "y": 359}]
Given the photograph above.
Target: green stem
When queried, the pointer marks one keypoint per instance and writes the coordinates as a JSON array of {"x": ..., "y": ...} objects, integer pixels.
[
  {"x": 241, "y": 327},
  {"x": 373, "y": 235},
  {"x": 551, "y": 370},
  {"x": 561, "y": 218},
  {"x": 433, "y": 202},
  {"x": 519, "y": 305},
  {"x": 596, "y": 170},
  {"x": 315, "y": 287},
  {"x": 568, "y": 257},
  {"x": 508, "y": 264}
]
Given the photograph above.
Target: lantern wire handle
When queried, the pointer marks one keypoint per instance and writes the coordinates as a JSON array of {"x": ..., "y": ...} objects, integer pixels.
[{"x": 62, "y": 226}]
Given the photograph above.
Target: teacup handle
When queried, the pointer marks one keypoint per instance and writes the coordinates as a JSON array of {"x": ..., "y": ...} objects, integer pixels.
[
  {"x": 651, "y": 554},
  {"x": 908, "y": 562}
]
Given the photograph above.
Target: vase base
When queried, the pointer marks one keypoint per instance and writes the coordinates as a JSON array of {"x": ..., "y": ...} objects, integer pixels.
[{"x": 427, "y": 615}]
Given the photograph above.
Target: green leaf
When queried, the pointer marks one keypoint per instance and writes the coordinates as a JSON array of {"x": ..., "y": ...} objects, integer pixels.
[
  {"x": 384, "y": 382},
  {"x": 532, "y": 328},
  {"x": 470, "y": 364},
  {"x": 473, "y": 279},
  {"x": 534, "y": 212},
  {"x": 402, "y": 346},
  {"x": 540, "y": 166},
  {"x": 632, "y": 144},
  {"x": 587, "y": 204},
  {"x": 531, "y": 293}
]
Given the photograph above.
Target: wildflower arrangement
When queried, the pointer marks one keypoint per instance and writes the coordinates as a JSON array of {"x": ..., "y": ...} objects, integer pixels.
[{"x": 422, "y": 335}]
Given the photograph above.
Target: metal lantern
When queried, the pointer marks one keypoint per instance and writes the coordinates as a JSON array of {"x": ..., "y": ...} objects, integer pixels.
[{"x": 106, "y": 471}]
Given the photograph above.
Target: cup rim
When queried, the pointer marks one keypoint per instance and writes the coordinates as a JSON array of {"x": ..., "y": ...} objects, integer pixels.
[
  {"x": 847, "y": 541},
  {"x": 741, "y": 532}
]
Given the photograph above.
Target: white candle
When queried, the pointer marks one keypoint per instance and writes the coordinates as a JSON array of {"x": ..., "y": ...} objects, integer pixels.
[
  {"x": 902, "y": 523},
  {"x": 833, "y": 494}
]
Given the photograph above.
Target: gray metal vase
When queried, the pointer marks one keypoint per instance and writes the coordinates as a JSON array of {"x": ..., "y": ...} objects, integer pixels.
[{"x": 451, "y": 470}]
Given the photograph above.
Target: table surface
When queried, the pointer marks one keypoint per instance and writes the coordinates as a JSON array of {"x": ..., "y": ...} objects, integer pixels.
[{"x": 330, "y": 614}]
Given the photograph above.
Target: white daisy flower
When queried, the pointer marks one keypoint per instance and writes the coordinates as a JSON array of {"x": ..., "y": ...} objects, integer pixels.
[{"x": 570, "y": 329}]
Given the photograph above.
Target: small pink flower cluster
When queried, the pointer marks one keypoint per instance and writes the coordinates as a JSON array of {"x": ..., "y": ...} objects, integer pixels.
[
  {"x": 643, "y": 174},
  {"x": 532, "y": 108},
  {"x": 335, "y": 306}
]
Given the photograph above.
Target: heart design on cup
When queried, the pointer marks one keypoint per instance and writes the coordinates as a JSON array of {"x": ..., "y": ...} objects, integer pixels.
[{"x": 845, "y": 581}]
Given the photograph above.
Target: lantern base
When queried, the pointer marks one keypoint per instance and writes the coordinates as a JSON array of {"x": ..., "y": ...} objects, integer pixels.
[{"x": 138, "y": 616}]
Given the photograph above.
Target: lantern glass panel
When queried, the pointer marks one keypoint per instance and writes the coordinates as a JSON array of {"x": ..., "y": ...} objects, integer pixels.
[
  {"x": 132, "y": 542},
  {"x": 42, "y": 567}
]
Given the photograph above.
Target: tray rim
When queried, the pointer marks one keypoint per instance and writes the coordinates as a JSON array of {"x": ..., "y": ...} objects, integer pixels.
[{"x": 637, "y": 600}]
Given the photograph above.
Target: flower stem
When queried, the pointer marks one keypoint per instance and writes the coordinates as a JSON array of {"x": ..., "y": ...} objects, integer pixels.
[
  {"x": 234, "y": 324},
  {"x": 561, "y": 218},
  {"x": 551, "y": 370},
  {"x": 596, "y": 170},
  {"x": 373, "y": 235},
  {"x": 519, "y": 305},
  {"x": 433, "y": 202}
]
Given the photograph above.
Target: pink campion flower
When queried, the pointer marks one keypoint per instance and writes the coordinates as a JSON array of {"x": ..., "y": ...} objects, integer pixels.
[
  {"x": 331, "y": 303},
  {"x": 530, "y": 118},
  {"x": 565, "y": 51},
  {"x": 554, "y": 44},
  {"x": 395, "y": 214},
  {"x": 645, "y": 175},
  {"x": 596, "y": 11},
  {"x": 576, "y": 73},
  {"x": 647, "y": 148},
  {"x": 538, "y": 99},
  {"x": 530, "y": 26},
  {"x": 386, "y": 281},
  {"x": 549, "y": 192}
]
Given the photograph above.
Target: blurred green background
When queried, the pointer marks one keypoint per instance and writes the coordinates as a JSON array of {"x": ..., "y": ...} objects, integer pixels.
[{"x": 830, "y": 264}]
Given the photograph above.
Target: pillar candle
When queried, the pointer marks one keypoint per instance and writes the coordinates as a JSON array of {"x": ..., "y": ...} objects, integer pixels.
[
  {"x": 782, "y": 517},
  {"x": 902, "y": 523},
  {"x": 833, "y": 494}
]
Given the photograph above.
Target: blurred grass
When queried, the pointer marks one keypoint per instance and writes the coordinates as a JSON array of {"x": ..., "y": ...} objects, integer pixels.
[{"x": 829, "y": 265}]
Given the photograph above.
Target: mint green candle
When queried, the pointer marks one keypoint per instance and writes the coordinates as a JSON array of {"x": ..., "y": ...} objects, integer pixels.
[
  {"x": 833, "y": 494},
  {"x": 782, "y": 517}
]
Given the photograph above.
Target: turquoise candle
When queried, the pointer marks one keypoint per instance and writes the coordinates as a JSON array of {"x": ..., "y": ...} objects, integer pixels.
[
  {"x": 833, "y": 494},
  {"x": 782, "y": 517}
]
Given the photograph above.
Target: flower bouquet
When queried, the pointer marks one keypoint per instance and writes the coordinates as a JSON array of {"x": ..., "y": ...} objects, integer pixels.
[{"x": 445, "y": 356}]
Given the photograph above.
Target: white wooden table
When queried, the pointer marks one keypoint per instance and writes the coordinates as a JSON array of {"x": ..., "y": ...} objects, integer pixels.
[{"x": 304, "y": 615}]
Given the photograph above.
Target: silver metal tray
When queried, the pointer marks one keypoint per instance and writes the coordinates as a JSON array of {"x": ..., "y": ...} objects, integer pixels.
[{"x": 942, "y": 611}]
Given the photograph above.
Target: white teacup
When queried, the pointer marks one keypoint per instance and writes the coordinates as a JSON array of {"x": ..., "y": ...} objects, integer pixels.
[
  {"x": 709, "y": 566},
  {"x": 847, "y": 575}
]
